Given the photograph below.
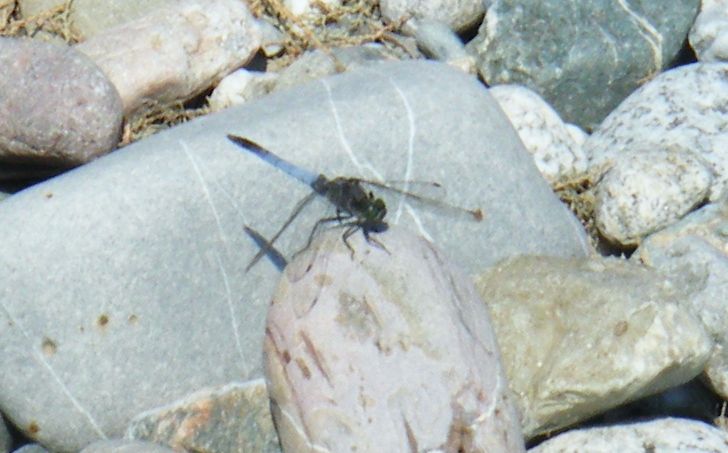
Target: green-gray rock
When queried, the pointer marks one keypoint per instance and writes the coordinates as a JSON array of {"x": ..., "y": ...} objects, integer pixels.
[{"x": 583, "y": 57}]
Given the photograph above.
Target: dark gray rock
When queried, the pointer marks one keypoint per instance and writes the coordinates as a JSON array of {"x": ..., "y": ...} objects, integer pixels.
[
  {"x": 58, "y": 108},
  {"x": 124, "y": 284},
  {"x": 582, "y": 57}
]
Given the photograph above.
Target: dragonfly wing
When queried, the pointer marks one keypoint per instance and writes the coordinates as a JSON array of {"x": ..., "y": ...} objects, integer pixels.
[
  {"x": 430, "y": 202},
  {"x": 303, "y": 175}
]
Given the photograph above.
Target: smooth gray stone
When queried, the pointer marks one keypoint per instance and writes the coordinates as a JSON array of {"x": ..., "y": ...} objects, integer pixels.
[
  {"x": 582, "y": 57},
  {"x": 123, "y": 283}
]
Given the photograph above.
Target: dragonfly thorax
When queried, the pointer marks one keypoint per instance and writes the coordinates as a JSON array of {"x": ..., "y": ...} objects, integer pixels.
[{"x": 349, "y": 197}]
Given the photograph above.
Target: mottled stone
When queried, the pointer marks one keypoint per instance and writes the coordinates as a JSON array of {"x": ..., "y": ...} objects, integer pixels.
[
  {"x": 232, "y": 418},
  {"x": 681, "y": 110},
  {"x": 644, "y": 192},
  {"x": 175, "y": 53},
  {"x": 662, "y": 435},
  {"x": 583, "y": 57},
  {"x": 600, "y": 332},
  {"x": 58, "y": 108},
  {"x": 698, "y": 246},
  {"x": 709, "y": 34},
  {"x": 415, "y": 366},
  {"x": 556, "y": 148}
]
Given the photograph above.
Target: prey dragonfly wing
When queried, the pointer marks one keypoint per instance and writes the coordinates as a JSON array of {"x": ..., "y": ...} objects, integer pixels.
[{"x": 356, "y": 207}]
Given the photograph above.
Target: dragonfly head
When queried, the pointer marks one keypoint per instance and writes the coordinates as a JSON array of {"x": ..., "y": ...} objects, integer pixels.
[{"x": 375, "y": 214}]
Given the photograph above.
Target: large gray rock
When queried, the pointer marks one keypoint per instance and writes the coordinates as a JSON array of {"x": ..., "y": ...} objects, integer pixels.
[
  {"x": 601, "y": 332},
  {"x": 123, "y": 283},
  {"x": 582, "y": 57},
  {"x": 414, "y": 367}
]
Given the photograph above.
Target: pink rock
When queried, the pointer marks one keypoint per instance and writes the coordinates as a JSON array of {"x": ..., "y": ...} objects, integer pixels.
[
  {"x": 388, "y": 349},
  {"x": 57, "y": 107},
  {"x": 175, "y": 53}
]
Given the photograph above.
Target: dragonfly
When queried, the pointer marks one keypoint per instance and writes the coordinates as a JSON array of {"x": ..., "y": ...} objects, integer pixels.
[{"x": 356, "y": 207}]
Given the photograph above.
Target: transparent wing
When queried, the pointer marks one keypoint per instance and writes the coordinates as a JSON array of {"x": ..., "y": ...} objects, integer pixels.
[{"x": 429, "y": 195}]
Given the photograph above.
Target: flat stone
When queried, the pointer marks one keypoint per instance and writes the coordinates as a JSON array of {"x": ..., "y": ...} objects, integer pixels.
[
  {"x": 414, "y": 367},
  {"x": 59, "y": 109},
  {"x": 663, "y": 435},
  {"x": 144, "y": 252},
  {"x": 580, "y": 336},
  {"x": 587, "y": 56},
  {"x": 235, "y": 417},
  {"x": 681, "y": 110},
  {"x": 698, "y": 246},
  {"x": 645, "y": 192},
  {"x": 172, "y": 54}
]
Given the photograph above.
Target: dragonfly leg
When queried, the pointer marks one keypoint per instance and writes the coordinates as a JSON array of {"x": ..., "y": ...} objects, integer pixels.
[
  {"x": 372, "y": 240},
  {"x": 353, "y": 226},
  {"x": 314, "y": 230}
]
